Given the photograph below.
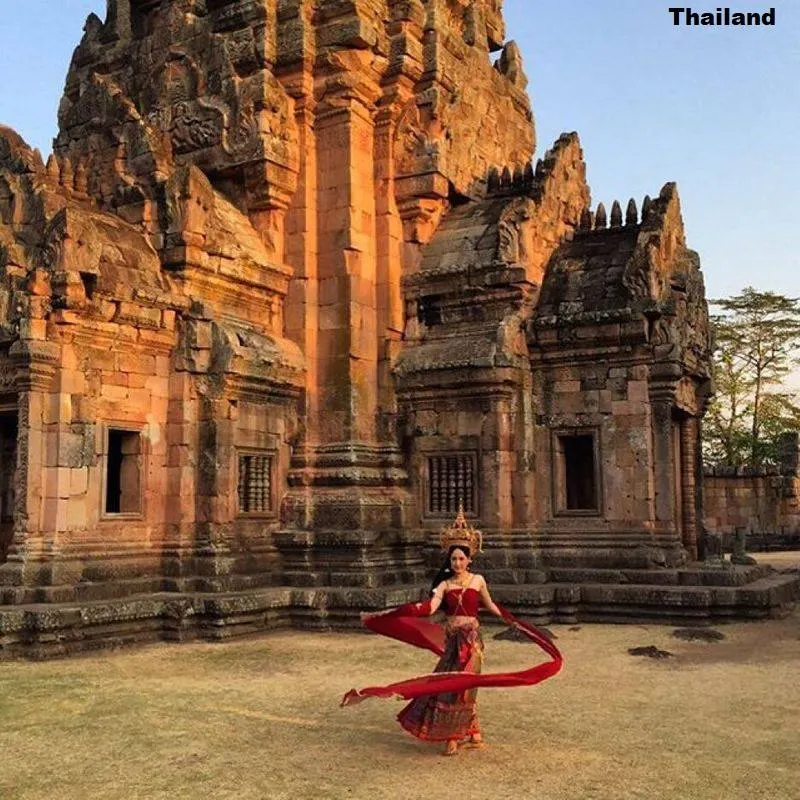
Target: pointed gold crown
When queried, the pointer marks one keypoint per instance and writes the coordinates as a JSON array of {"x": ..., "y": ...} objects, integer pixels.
[{"x": 462, "y": 533}]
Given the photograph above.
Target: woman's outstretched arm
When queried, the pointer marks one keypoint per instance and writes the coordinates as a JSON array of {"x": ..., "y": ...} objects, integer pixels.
[
  {"x": 424, "y": 609},
  {"x": 486, "y": 598},
  {"x": 436, "y": 597}
]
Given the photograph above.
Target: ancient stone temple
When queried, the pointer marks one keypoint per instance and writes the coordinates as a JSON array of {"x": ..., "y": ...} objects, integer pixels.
[{"x": 289, "y": 292}]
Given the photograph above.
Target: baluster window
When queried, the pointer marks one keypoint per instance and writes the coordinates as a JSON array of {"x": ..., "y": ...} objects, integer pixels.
[
  {"x": 255, "y": 483},
  {"x": 452, "y": 483}
]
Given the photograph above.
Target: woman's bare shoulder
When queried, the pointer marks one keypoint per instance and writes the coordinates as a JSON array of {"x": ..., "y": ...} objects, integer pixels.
[{"x": 480, "y": 581}]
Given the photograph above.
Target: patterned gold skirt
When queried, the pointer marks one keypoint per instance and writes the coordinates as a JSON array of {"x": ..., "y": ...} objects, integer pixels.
[{"x": 442, "y": 717}]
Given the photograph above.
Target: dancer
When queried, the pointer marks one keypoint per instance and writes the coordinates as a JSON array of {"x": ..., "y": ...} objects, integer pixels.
[{"x": 443, "y": 704}]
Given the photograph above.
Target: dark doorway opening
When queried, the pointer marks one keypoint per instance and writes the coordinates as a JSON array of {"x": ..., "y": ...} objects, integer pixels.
[
  {"x": 8, "y": 470},
  {"x": 123, "y": 472},
  {"x": 580, "y": 473}
]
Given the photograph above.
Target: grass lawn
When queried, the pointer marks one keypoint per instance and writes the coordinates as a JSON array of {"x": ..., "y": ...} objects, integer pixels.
[{"x": 260, "y": 719}]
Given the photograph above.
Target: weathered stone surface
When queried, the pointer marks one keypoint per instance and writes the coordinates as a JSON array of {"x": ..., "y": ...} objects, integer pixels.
[
  {"x": 761, "y": 504},
  {"x": 288, "y": 292}
]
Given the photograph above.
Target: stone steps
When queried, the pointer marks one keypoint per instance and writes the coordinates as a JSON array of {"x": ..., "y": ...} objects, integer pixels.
[
  {"x": 46, "y": 630},
  {"x": 770, "y": 595},
  {"x": 692, "y": 575}
]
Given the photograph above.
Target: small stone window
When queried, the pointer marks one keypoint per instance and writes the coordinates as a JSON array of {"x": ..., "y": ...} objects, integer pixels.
[
  {"x": 124, "y": 472},
  {"x": 255, "y": 483},
  {"x": 577, "y": 483},
  {"x": 429, "y": 311},
  {"x": 451, "y": 484},
  {"x": 7, "y": 203},
  {"x": 89, "y": 281},
  {"x": 8, "y": 463}
]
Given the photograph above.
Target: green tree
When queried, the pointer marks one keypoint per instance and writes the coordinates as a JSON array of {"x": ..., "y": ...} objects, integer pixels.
[{"x": 757, "y": 336}]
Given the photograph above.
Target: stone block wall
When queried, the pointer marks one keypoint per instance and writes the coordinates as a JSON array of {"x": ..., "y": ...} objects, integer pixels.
[
  {"x": 287, "y": 258},
  {"x": 764, "y": 503},
  {"x": 610, "y": 403},
  {"x": 484, "y": 429}
]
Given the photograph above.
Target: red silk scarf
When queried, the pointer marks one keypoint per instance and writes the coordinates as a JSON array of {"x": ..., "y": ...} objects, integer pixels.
[{"x": 404, "y": 624}]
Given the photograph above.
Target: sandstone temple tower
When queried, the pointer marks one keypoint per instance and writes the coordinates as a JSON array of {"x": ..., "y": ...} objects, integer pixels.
[{"x": 288, "y": 292}]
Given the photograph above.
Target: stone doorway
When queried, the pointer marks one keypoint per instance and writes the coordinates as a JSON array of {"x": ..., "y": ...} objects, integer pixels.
[{"x": 8, "y": 468}]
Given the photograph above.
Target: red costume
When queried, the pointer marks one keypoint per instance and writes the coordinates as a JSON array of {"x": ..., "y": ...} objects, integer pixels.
[
  {"x": 442, "y": 706},
  {"x": 443, "y": 703}
]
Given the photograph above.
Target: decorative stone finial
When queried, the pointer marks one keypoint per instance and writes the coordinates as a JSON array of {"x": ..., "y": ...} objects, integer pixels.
[
  {"x": 600, "y": 218},
  {"x": 81, "y": 181},
  {"x": 52, "y": 167},
  {"x": 528, "y": 175},
  {"x": 493, "y": 180},
  {"x": 616, "y": 214},
  {"x": 631, "y": 214},
  {"x": 66, "y": 176}
]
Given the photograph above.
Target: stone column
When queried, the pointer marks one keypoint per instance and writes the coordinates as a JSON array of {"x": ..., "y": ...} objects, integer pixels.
[
  {"x": 397, "y": 106},
  {"x": 663, "y": 467},
  {"x": 389, "y": 229},
  {"x": 36, "y": 363},
  {"x": 346, "y": 504},
  {"x": 347, "y": 345},
  {"x": 302, "y": 302},
  {"x": 215, "y": 493},
  {"x": 689, "y": 434}
]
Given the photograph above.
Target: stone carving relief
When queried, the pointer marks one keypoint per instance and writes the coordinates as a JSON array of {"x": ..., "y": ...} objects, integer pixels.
[
  {"x": 513, "y": 232},
  {"x": 484, "y": 123},
  {"x": 411, "y": 146},
  {"x": 661, "y": 240},
  {"x": 266, "y": 120},
  {"x": 639, "y": 278},
  {"x": 5, "y": 298},
  {"x": 694, "y": 326},
  {"x": 54, "y": 242},
  {"x": 511, "y": 333},
  {"x": 7, "y": 203},
  {"x": 240, "y": 48},
  {"x": 191, "y": 124},
  {"x": 194, "y": 128},
  {"x": 662, "y": 337},
  {"x": 196, "y": 76},
  {"x": 7, "y": 375},
  {"x": 683, "y": 329},
  {"x": 116, "y": 149},
  {"x": 474, "y": 114}
]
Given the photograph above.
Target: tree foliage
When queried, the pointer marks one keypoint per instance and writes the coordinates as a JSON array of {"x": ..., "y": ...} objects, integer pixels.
[{"x": 757, "y": 345}]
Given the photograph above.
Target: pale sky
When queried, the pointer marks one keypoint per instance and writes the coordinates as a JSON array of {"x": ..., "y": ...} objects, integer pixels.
[{"x": 715, "y": 109}]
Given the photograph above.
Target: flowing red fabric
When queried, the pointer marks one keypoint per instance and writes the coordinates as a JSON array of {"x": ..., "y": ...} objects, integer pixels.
[{"x": 404, "y": 623}]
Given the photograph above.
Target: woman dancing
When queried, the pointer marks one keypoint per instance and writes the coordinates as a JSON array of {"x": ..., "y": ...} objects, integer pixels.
[{"x": 443, "y": 704}]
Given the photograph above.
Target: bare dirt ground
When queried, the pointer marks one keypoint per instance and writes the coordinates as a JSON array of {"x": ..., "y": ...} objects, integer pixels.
[
  {"x": 259, "y": 719},
  {"x": 785, "y": 560}
]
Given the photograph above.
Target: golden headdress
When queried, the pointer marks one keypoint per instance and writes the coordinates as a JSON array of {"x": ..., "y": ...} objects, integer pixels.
[{"x": 462, "y": 533}]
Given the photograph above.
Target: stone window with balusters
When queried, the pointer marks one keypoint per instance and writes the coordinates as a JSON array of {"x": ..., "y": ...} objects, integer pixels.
[
  {"x": 451, "y": 483},
  {"x": 255, "y": 483}
]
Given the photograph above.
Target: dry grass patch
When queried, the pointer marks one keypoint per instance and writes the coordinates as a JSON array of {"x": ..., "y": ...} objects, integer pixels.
[{"x": 259, "y": 719}]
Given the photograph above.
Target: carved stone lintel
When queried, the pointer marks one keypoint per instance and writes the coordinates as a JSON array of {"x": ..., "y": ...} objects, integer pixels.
[{"x": 36, "y": 363}]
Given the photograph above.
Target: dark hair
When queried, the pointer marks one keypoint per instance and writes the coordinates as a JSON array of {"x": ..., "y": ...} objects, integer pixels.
[{"x": 445, "y": 572}]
